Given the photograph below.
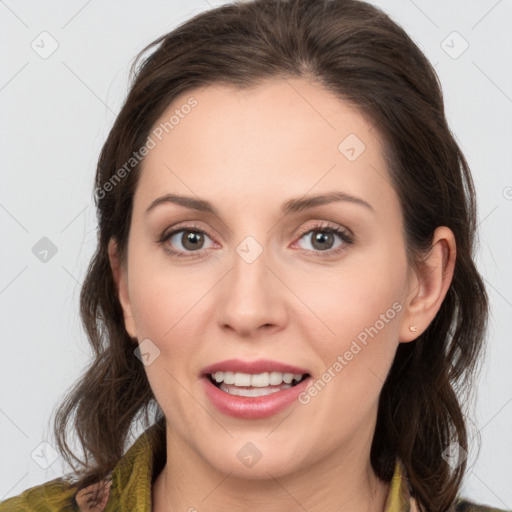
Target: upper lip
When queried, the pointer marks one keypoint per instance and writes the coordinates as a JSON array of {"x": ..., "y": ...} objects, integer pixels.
[{"x": 258, "y": 366}]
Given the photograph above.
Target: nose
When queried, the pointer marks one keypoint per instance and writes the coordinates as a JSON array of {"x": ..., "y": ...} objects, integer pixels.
[{"x": 252, "y": 299}]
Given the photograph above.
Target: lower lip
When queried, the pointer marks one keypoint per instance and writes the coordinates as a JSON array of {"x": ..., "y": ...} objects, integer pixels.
[{"x": 253, "y": 407}]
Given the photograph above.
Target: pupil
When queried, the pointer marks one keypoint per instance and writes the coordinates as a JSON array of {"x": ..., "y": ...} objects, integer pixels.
[
  {"x": 194, "y": 238},
  {"x": 322, "y": 237}
]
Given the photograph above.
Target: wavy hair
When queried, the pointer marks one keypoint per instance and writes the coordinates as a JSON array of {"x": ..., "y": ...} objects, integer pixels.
[{"x": 354, "y": 50}]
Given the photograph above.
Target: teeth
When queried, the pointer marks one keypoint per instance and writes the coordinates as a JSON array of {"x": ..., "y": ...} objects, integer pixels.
[
  {"x": 253, "y": 391},
  {"x": 275, "y": 378},
  {"x": 258, "y": 380}
]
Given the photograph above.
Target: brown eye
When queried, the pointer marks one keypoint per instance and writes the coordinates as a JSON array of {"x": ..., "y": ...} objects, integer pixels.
[
  {"x": 321, "y": 240},
  {"x": 185, "y": 241},
  {"x": 192, "y": 240}
]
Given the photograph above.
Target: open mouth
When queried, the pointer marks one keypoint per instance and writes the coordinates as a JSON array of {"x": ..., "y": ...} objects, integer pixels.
[{"x": 253, "y": 385}]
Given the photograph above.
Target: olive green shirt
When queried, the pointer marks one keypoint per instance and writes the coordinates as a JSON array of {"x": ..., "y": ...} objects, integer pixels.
[{"x": 128, "y": 487}]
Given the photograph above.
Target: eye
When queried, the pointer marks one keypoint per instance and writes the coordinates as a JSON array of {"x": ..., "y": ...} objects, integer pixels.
[
  {"x": 322, "y": 239},
  {"x": 187, "y": 239}
]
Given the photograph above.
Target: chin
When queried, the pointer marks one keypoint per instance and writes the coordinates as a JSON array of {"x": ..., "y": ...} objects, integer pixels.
[{"x": 259, "y": 459}]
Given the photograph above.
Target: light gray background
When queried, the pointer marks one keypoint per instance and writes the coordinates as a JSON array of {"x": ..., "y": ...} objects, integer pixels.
[{"x": 56, "y": 113}]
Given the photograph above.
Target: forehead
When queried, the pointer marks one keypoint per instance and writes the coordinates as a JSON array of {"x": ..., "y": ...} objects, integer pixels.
[{"x": 280, "y": 139}]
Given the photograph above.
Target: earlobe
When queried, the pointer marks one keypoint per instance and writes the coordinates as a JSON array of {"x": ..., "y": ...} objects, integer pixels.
[
  {"x": 121, "y": 279},
  {"x": 429, "y": 286}
]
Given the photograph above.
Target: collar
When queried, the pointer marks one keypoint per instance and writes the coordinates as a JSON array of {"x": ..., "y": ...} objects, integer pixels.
[
  {"x": 129, "y": 485},
  {"x": 399, "y": 497}
]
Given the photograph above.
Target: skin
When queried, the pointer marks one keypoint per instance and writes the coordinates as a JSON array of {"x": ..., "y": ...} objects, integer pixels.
[{"x": 247, "y": 152}]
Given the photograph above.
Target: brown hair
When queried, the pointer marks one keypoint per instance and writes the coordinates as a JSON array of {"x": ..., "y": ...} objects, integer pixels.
[{"x": 357, "y": 52}]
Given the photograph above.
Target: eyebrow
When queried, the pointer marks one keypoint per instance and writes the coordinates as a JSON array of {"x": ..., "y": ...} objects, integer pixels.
[{"x": 290, "y": 206}]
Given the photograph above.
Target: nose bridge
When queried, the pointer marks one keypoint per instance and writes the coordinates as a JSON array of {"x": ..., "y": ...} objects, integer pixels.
[
  {"x": 250, "y": 296},
  {"x": 249, "y": 281}
]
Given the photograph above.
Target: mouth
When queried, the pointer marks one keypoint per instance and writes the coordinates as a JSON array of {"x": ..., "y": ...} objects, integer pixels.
[
  {"x": 253, "y": 389},
  {"x": 255, "y": 384}
]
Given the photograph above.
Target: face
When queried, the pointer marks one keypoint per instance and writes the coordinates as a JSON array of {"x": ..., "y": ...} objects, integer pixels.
[{"x": 319, "y": 286}]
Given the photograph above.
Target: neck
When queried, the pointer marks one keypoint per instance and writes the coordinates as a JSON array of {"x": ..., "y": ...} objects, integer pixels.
[{"x": 342, "y": 483}]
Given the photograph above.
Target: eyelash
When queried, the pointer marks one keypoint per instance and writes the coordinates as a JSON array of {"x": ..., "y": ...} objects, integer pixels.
[{"x": 343, "y": 235}]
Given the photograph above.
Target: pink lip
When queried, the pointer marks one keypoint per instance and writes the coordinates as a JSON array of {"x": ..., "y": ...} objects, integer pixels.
[
  {"x": 259, "y": 366},
  {"x": 253, "y": 407}
]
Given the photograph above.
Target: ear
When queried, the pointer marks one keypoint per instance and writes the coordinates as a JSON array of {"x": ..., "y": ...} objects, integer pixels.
[
  {"x": 121, "y": 279},
  {"x": 429, "y": 284}
]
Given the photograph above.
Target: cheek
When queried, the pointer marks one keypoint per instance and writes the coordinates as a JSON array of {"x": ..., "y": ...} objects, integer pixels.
[
  {"x": 168, "y": 302},
  {"x": 157, "y": 291},
  {"x": 344, "y": 304},
  {"x": 363, "y": 305},
  {"x": 165, "y": 303}
]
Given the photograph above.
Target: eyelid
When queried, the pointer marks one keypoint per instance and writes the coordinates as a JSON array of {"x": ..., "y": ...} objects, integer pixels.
[
  {"x": 167, "y": 233},
  {"x": 319, "y": 225}
]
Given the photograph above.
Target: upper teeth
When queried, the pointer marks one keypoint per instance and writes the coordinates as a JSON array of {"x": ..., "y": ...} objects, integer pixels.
[{"x": 259, "y": 380}]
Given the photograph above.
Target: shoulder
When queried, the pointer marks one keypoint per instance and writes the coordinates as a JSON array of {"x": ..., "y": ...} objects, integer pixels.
[
  {"x": 463, "y": 505},
  {"x": 55, "y": 495}
]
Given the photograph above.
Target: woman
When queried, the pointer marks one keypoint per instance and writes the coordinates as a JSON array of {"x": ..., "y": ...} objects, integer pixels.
[{"x": 284, "y": 274}]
